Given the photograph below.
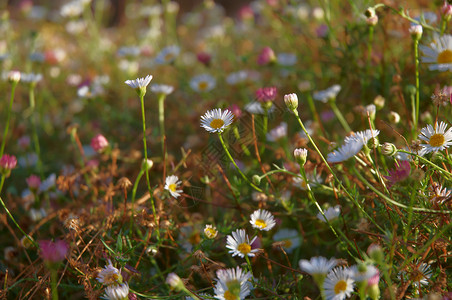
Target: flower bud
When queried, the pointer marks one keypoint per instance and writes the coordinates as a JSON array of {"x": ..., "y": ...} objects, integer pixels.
[
  {"x": 291, "y": 101},
  {"x": 7, "y": 163},
  {"x": 376, "y": 253},
  {"x": 210, "y": 232},
  {"x": 174, "y": 281},
  {"x": 416, "y": 32},
  {"x": 256, "y": 179},
  {"x": 394, "y": 117},
  {"x": 388, "y": 149},
  {"x": 446, "y": 11},
  {"x": 13, "y": 76},
  {"x": 300, "y": 155},
  {"x": 147, "y": 164},
  {"x": 99, "y": 143},
  {"x": 410, "y": 89},
  {"x": 379, "y": 102}
]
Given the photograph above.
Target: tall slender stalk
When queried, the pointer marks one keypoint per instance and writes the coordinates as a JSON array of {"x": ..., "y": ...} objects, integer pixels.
[
  {"x": 234, "y": 163},
  {"x": 8, "y": 117},
  {"x": 339, "y": 115},
  {"x": 416, "y": 62},
  {"x": 34, "y": 126},
  {"x": 143, "y": 116}
]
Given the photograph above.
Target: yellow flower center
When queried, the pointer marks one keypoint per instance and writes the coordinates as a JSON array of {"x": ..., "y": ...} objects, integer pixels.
[
  {"x": 260, "y": 223},
  {"x": 172, "y": 187},
  {"x": 244, "y": 248},
  {"x": 229, "y": 296},
  {"x": 445, "y": 57},
  {"x": 340, "y": 287},
  {"x": 436, "y": 140},
  {"x": 202, "y": 85},
  {"x": 111, "y": 278},
  {"x": 210, "y": 232},
  {"x": 287, "y": 243},
  {"x": 217, "y": 123}
]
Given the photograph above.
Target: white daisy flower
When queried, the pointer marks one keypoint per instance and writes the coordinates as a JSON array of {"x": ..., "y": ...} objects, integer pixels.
[
  {"x": 139, "y": 83},
  {"x": 217, "y": 121},
  {"x": 109, "y": 275},
  {"x": 289, "y": 237},
  {"x": 362, "y": 136},
  {"x": 210, "y": 231},
  {"x": 202, "y": 83},
  {"x": 277, "y": 132},
  {"x": 421, "y": 275},
  {"x": 286, "y": 59},
  {"x": 437, "y": 138},
  {"x": 128, "y": 51},
  {"x": 161, "y": 89},
  {"x": 331, "y": 213},
  {"x": 439, "y": 53},
  {"x": 317, "y": 265},
  {"x": 363, "y": 272},
  {"x": 71, "y": 9},
  {"x": 167, "y": 55},
  {"x": 345, "y": 152},
  {"x": 338, "y": 284},
  {"x": 237, "y": 77},
  {"x": 240, "y": 244},
  {"x": 171, "y": 184},
  {"x": 30, "y": 77},
  {"x": 117, "y": 292},
  {"x": 262, "y": 219},
  {"x": 232, "y": 284},
  {"x": 328, "y": 94},
  {"x": 439, "y": 193},
  {"x": 256, "y": 108}
]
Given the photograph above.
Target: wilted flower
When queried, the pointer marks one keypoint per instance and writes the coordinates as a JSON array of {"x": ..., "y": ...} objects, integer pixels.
[{"x": 109, "y": 275}]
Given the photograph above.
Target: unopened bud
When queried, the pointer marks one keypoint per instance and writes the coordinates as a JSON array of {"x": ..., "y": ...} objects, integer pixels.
[
  {"x": 410, "y": 89},
  {"x": 147, "y": 164},
  {"x": 300, "y": 155},
  {"x": 14, "y": 76},
  {"x": 174, "y": 281},
  {"x": 291, "y": 101},
  {"x": 375, "y": 252},
  {"x": 379, "y": 102},
  {"x": 388, "y": 149},
  {"x": 256, "y": 179},
  {"x": 416, "y": 32},
  {"x": 394, "y": 117}
]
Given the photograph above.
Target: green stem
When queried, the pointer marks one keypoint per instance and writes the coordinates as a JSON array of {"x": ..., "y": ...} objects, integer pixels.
[
  {"x": 313, "y": 200},
  {"x": 161, "y": 101},
  {"x": 53, "y": 283},
  {"x": 147, "y": 173},
  {"x": 339, "y": 115},
  {"x": 424, "y": 160},
  {"x": 313, "y": 109},
  {"x": 237, "y": 136},
  {"x": 34, "y": 131},
  {"x": 11, "y": 216},
  {"x": 233, "y": 162},
  {"x": 8, "y": 118},
  {"x": 249, "y": 264},
  {"x": 134, "y": 192},
  {"x": 416, "y": 62}
]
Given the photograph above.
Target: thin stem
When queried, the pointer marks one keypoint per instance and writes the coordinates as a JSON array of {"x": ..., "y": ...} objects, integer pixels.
[
  {"x": 416, "y": 62},
  {"x": 34, "y": 130},
  {"x": 249, "y": 264},
  {"x": 12, "y": 218},
  {"x": 134, "y": 192},
  {"x": 53, "y": 283},
  {"x": 312, "y": 198},
  {"x": 233, "y": 162},
  {"x": 147, "y": 173},
  {"x": 8, "y": 118},
  {"x": 424, "y": 160},
  {"x": 315, "y": 113},
  {"x": 161, "y": 101},
  {"x": 339, "y": 115}
]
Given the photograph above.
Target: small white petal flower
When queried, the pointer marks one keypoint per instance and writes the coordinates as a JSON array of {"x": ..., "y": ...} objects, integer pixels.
[
  {"x": 328, "y": 94},
  {"x": 117, "y": 292},
  {"x": 31, "y": 77},
  {"x": 437, "y": 138},
  {"x": 289, "y": 237},
  {"x": 262, "y": 220},
  {"x": 240, "y": 244},
  {"x": 161, "y": 89},
  {"x": 286, "y": 59},
  {"x": 109, "y": 275},
  {"x": 277, "y": 132},
  {"x": 363, "y": 272},
  {"x": 345, "y": 152},
  {"x": 338, "y": 284},
  {"x": 439, "y": 53},
  {"x": 167, "y": 55},
  {"x": 202, "y": 83},
  {"x": 171, "y": 184},
  {"x": 210, "y": 232},
  {"x": 317, "y": 265},
  {"x": 216, "y": 121},
  {"x": 139, "y": 83},
  {"x": 331, "y": 213},
  {"x": 233, "y": 284}
]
